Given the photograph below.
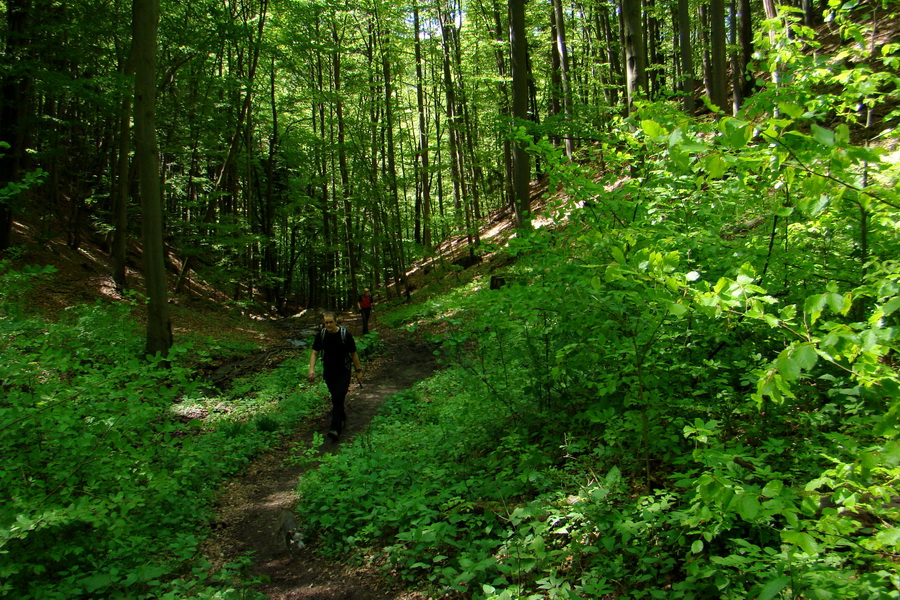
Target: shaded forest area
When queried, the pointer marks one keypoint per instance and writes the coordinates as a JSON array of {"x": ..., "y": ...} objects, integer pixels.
[{"x": 677, "y": 379}]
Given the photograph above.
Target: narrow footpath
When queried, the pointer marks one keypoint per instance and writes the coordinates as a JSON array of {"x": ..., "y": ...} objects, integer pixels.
[{"x": 248, "y": 505}]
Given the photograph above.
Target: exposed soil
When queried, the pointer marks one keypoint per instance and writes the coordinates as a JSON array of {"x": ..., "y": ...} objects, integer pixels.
[{"x": 248, "y": 505}]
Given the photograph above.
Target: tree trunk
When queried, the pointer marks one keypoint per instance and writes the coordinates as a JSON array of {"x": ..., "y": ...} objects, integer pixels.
[
  {"x": 685, "y": 52},
  {"x": 119, "y": 250},
  {"x": 745, "y": 40},
  {"x": 615, "y": 65},
  {"x": 425, "y": 175},
  {"x": 562, "y": 54},
  {"x": 504, "y": 109},
  {"x": 145, "y": 19},
  {"x": 453, "y": 119},
  {"x": 519, "y": 69},
  {"x": 718, "y": 93},
  {"x": 635, "y": 57},
  {"x": 394, "y": 211},
  {"x": 352, "y": 259}
]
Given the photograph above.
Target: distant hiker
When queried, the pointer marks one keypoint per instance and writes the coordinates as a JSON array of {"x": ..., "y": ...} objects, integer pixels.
[
  {"x": 340, "y": 355},
  {"x": 365, "y": 309}
]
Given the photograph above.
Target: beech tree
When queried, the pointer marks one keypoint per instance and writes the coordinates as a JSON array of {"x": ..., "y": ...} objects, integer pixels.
[
  {"x": 519, "y": 89},
  {"x": 145, "y": 22},
  {"x": 635, "y": 52}
]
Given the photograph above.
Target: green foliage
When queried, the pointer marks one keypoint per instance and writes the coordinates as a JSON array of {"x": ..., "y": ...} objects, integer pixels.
[
  {"x": 688, "y": 391},
  {"x": 107, "y": 489}
]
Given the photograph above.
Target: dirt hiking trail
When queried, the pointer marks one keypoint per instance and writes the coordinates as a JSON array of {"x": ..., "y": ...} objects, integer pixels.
[{"x": 246, "y": 511}]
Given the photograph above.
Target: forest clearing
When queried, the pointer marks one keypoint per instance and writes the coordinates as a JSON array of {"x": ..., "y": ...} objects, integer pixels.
[{"x": 636, "y": 300}]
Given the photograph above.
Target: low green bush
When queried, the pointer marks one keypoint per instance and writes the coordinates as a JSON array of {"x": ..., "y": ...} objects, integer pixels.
[{"x": 107, "y": 490}]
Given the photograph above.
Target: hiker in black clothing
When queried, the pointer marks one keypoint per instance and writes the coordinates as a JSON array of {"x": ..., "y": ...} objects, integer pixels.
[
  {"x": 340, "y": 353},
  {"x": 365, "y": 309}
]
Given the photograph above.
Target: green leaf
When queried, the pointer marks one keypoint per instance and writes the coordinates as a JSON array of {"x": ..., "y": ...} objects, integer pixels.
[
  {"x": 773, "y": 588},
  {"x": 653, "y": 129},
  {"x": 806, "y": 356},
  {"x": 802, "y": 540},
  {"x": 891, "y": 305},
  {"x": 889, "y": 538},
  {"x": 748, "y": 507},
  {"x": 677, "y": 309},
  {"x": 795, "y": 111},
  {"x": 715, "y": 167},
  {"x": 787, "y": 366},
  {"x": 697, "y": 547},
  {"x": 814, "y": 306},
  {"x": 773, "y": 488},
  {"x": 822, "y": 135}
]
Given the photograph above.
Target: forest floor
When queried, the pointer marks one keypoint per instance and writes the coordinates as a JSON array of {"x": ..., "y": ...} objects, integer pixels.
[{"x": 248, "y": 505}]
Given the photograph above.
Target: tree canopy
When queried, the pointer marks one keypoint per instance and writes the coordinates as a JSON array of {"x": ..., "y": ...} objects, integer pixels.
[{"x": 686, "y": 388}]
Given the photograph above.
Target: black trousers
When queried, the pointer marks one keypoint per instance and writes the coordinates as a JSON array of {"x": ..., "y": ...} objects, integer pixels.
[
  {"x": 365, "y": 312},
  {"x": 337, "y": 386}
]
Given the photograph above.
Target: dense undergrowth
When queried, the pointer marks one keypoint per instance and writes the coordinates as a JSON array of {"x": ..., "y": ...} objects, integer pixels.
[
  {"x": 686, "y": 389},
  {"x": 108, "y": 478}
]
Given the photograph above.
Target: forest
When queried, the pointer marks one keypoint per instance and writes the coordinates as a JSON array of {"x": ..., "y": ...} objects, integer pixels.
[{"x": 653, "y": 244}]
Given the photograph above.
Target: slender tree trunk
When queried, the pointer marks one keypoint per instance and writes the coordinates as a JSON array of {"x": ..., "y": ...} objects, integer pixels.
[
  {"x": 119, "y": 251},
  {"x": 771, "y": 14},
  {"x": 521, "y": 161},
  {"x": 686, "y": 52},
  {"x": 563, "y": 58},
  {"x": 224, "y": 179},
  {"x": 468, "y": 163},
  {"x": 346, "y": 194},
  {"x": 453, "y": 120},
  {"x": 745, "y": 40},
  {"x": 394, "y": 211},
  {"x": 718, "y": 78},
  {"x": 504, "y": 109},
  {"x": 145, "y": 19},
  {"x": 737, "y": 90},
  {"x": 635, "y": 57},
  {"x": 612, "y": 56},
  {"x": 270, "y": 247},
  {"x": 705, "y": 43},
  {"x": 423, "y": 136}
]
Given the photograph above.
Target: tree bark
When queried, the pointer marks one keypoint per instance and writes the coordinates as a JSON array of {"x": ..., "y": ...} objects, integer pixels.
[
  {"x": 346, "y": 195},
  {"x": 685, "y": 52},
  {"x": 145, "y": 20},
  {"x": 519, "y": 69},
  {"x": 559, "y": 44},
  {"x": 423, "y": 137},
  {"x": 718, "y": 56},
  {"x": 635, "y": 57},
  {"x": 119, "y": 250}
]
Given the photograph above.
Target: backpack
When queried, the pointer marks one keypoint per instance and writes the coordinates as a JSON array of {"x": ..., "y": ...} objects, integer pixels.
[
  {"x": 348, "y": 360},
  {"x": 343, "y": 334}
]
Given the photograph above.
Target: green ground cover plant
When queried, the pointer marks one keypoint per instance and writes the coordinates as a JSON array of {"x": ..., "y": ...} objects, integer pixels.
[
  {"x": 688, "y": 388},
  {"x": 106, "y": 488}
]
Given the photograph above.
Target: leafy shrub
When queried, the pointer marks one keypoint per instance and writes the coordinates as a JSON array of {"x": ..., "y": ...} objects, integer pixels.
[{"x": 107, "y": 492}]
